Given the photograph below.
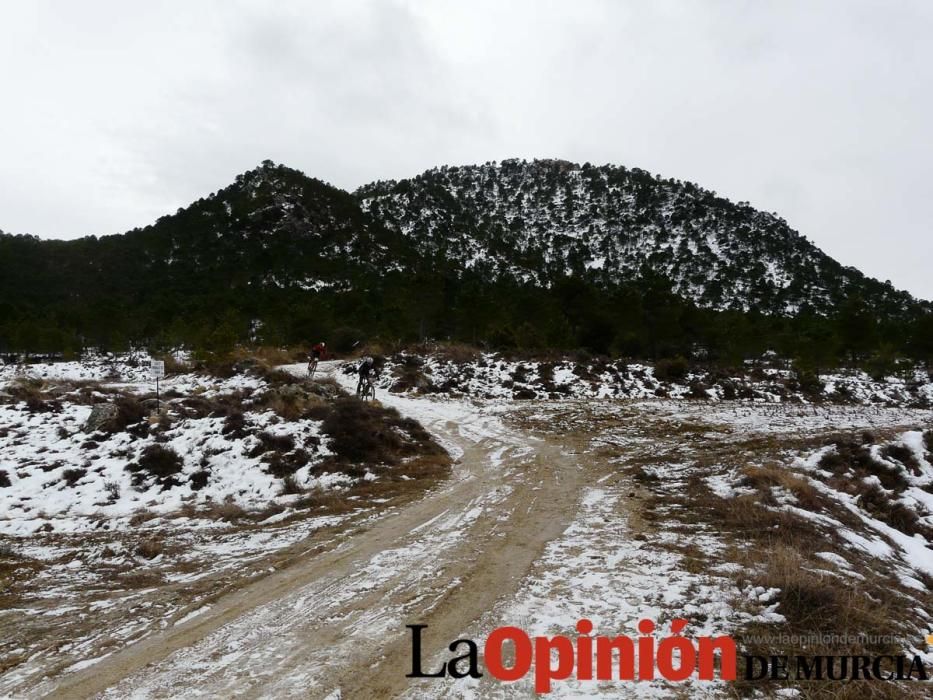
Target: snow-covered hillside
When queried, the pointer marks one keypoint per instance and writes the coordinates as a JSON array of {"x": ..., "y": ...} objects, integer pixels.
[
  {"x": 492, "y": 376},
  {"x": 538, "y": 221},
  {"x": 83, "y": 447}
]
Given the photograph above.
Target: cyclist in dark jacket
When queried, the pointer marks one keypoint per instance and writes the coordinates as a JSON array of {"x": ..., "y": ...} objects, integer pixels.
[{"x": 366, "y": 371}]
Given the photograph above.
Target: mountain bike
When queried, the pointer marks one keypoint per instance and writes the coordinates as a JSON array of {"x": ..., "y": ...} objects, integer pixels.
[{"x": 366, "y": 390}]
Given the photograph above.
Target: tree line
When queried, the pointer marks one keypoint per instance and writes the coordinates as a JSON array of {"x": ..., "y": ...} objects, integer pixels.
[{"x": 643, "y": 320}]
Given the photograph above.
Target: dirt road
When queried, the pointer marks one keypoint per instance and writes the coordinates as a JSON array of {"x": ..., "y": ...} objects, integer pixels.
[{"x": 337, "y": 620}]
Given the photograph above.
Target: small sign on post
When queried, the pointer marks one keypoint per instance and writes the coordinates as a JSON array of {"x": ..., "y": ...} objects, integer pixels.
[{"x": 157, "y": 372}]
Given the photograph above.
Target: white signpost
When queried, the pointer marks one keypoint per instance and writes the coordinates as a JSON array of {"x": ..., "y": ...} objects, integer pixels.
[{"x": 157, "y": 372}]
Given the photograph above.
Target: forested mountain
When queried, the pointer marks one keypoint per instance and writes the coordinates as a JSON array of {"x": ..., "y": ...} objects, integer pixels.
[
  {"x": 272, "y": 232},
  {"x": 535, "y": 255},
  {"x": 543, "y": 220}
]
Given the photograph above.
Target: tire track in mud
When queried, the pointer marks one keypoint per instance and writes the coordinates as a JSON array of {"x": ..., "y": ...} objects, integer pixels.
[{"x": 337, "y": 619}]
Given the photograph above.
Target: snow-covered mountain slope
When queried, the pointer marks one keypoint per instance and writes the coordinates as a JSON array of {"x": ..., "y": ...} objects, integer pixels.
[{"x": 537, "y": 221}]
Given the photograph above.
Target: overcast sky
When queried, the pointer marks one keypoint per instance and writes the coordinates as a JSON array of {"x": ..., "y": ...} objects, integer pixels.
[{"x": 114, "y": 113}]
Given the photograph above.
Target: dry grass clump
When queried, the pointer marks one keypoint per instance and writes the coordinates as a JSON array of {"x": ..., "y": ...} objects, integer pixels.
[
  {"x": 35, "y": 393},
  {"x": 140, "y": 579},
  {"x": 299, "y": 399},
  {"x": 141, "y": 516},
  {"x": 259, "y": 360},
  {"x": 749, "y": 516},
  {"x": 815, "y": 602},
  {"x": 278, "y": 355},
  {"x": 457, "y": 353},
  {"x": 764, "y": 478},
  {"x": 227, "y": 510},
  {"x": 149, "y": 548}
]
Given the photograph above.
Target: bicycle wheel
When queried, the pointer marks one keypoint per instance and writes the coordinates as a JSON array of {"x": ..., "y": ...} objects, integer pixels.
[
  {"x": 312, "y": 368},
  {"x": 369, "y": 393}
]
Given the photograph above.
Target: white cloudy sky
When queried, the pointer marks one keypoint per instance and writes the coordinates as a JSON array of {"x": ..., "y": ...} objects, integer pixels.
[{"x": 113, "y": 113}]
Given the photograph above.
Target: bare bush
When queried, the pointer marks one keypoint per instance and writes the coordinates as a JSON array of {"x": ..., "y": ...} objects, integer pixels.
[{"x": 113, "y": 490}]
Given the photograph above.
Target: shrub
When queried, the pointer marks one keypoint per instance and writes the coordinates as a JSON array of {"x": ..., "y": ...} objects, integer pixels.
[
  {"x": 895, "y": 514},
  {"x": 157, "y": 461},
  {"x": 928, "y": 440},
  {"x": 851, "y": 455},
  {"x": 128, "y": 415},
  {"x": 358, "y": 433},
  {"x": 198, "y": 480},
  {"x": 848, "y": 455},
  {"x": 698, "y": 390},
  {"x": 141, "y": 516},
  {"x": 902, "y": 454},
  {"x": 284, "y": 465},
  {"x": 671, "y": 370},
  {"x": 809, "y": 382},
  {"x": 72, "y": 476},
  {"x": 362, "y": 432},
  {"x": 272, "y": 443},
  {"x": 4, "y": 479}
]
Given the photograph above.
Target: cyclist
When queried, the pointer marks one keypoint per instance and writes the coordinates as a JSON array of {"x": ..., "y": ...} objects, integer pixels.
[
  {"x": 318, "y": 352},
  {"x": 366, "y": 370}
]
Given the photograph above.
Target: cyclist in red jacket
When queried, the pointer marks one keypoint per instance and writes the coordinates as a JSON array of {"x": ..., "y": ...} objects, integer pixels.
[{"x": 318, "y": 352}]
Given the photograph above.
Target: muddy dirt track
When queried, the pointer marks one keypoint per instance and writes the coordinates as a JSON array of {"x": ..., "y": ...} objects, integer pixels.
[{"x": 337, "y": 619}]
